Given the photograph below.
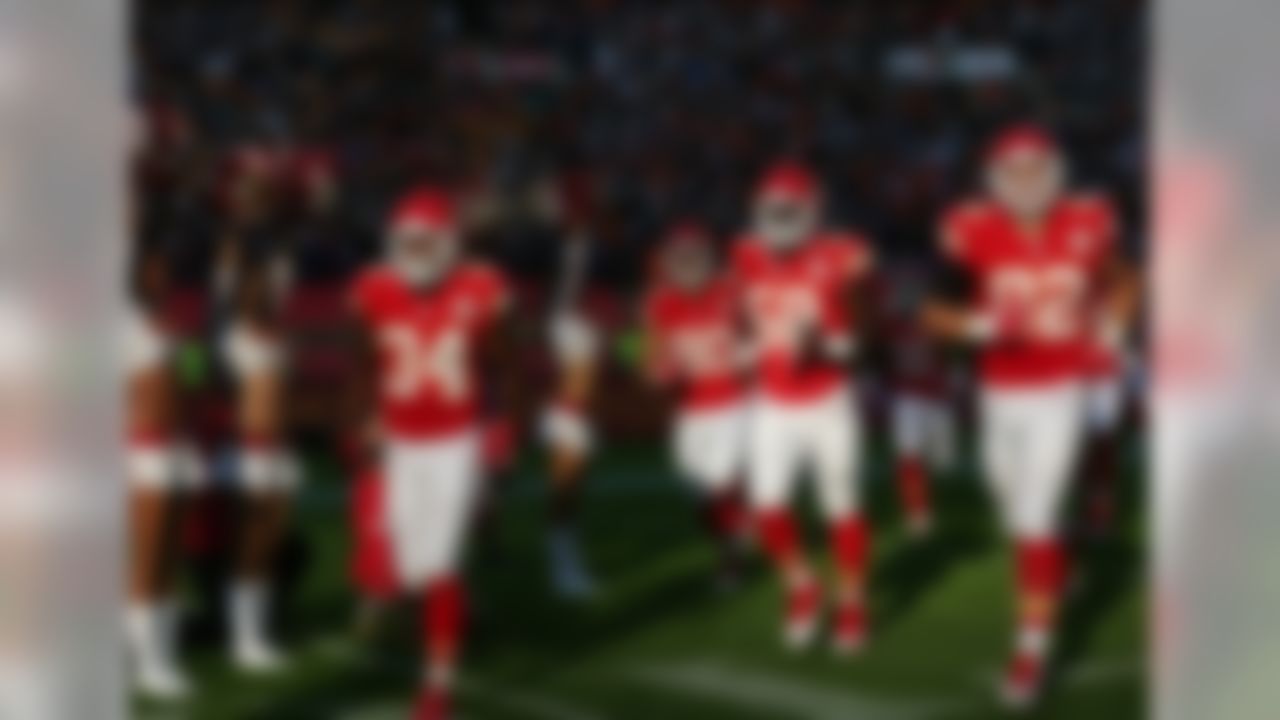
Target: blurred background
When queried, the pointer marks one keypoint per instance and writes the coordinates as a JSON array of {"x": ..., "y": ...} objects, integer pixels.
[{"x": 274, "y": 135}]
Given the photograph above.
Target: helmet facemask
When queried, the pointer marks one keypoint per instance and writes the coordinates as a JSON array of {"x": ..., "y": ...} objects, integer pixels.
[
  {"x": 423, "y": 254},
  {"x": 785, "y": 221},
  {"x": 1027, "y": 180}
]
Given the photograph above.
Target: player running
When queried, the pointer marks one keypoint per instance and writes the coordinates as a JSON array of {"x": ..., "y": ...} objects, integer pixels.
[
  {"x": 797, "y": 283},
  {"x": 920, "y": 406},
  {"x": 1026, "y": 259},
  {"x": 432, "y": 319},
  {"x": 694, "y": 349}
]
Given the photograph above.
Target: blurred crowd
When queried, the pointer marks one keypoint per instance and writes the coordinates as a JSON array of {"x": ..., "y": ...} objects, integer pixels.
[{"x": 609, "y": 117}]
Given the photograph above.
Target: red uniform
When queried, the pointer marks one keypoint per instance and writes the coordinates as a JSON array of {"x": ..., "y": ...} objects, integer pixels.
[
  {"x": 427, "y": 345},
  {"x": 694, "y": 342},
  {"x": 793, "y": 299},
  {"x": 1038, "y": 288}
]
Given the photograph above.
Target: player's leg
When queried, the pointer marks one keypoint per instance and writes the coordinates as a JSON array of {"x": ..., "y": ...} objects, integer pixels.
[
  {"x": 706, "y": 447},
  {"x": 150, "y": 616},
  {"x": 940, "y": 447},
  {"x": 910, "y": 438},
  {"x": 835, "y": 433},
  {"x": 774, "y": 459},
  {"x": 433, "y": 499},
  {"x": 1053, "y": 425}
]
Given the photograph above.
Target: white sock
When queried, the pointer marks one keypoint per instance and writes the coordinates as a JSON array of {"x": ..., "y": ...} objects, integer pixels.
[
  {"x": 247, "y": 608},
  {"x": 143, "y": 627},
  {"x": 1033, "y": 640}
]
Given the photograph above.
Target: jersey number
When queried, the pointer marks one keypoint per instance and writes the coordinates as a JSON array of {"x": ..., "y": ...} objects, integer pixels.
[
  {"x": 418, "y": 364},
  {"x": 1048, "y": 298}
]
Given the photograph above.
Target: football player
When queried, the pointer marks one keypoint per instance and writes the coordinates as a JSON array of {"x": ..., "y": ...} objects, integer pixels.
[
  {"x": 798, "y": 283},
  {"x": 693, "y": 348},
  {"x": 1026, "y": 258},
  {"x": 921, "y": 419},
  {"x": 432, "y": 318}
]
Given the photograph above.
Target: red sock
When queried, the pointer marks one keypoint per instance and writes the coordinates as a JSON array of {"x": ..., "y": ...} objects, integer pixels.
[
  {"x": 849, "y": 544},
  {"x": 1041, "y": 566},
  {"x": 778, "y": 535},
  {"x": 727, "y": 514},
  {"x": 444, "y": 618},
  {"x": 913, "y": 486}
]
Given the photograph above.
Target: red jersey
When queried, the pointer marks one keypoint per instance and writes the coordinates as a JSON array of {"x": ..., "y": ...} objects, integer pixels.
[
  {"x": 426, "y": 342},
  {"x": 1039, "y": 288},
  {"x": 792, "y": 299},
  {"x": 694, "y": 341}
]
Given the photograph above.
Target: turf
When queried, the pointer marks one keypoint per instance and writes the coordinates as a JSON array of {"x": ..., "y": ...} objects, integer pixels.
[{"x": 661, "y": 641}]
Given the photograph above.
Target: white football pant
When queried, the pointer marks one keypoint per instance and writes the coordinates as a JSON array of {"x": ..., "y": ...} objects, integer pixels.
[
  {"x": 1031, "y": 439},
  {"x": 709, "y": 445},
  {"x": 923, "y": 428},
  {"x": 823, "y": 437},
  {"x": 431, "y": 489}
]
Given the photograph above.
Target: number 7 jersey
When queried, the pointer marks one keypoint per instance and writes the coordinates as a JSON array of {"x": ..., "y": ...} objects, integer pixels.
[
  {"x": 427, "y": 345},
  {"x": 1039, "y": 288}
]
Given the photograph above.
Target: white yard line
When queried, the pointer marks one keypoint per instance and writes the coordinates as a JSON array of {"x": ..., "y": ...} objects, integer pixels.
[
  {"x": 528, "y": 704},
  {"x": 768, "y": 692},
  {"x": 1082, "y": 675}
]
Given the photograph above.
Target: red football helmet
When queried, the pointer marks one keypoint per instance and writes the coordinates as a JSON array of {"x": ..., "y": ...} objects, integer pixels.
[
  {"x": 424, "y": 241},
  {"x": 788, "y": 205},
  {"x": 1025, "y": 170},
  {"x": 686, "y": 257}
]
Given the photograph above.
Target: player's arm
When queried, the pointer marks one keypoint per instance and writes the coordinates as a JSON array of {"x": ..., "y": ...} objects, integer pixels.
[
  {"x": 841, "y": 344},
  {"x": 1121, "y": 296},
  {"x": 949, "y": 312}
]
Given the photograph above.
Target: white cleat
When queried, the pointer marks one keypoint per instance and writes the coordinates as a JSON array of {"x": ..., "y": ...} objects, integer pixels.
[
  {"x": 804, "y": 614},
  {"x": 1020, "y": 687},
  {"x": 257, "y": 657},
  {"x": 160, "y": 681},
  {"x": 800, "y": 633}
]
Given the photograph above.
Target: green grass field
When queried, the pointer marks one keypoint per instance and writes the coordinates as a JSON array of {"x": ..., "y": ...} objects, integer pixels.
[{"x": 661, "y": 642}]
